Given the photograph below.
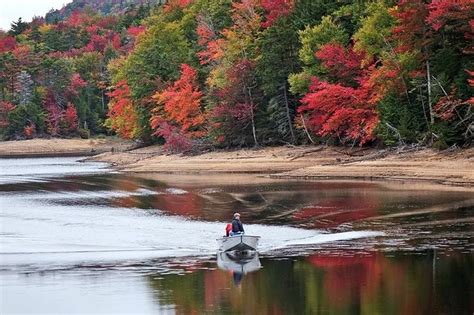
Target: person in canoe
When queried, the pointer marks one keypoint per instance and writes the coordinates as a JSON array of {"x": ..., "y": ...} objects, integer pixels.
[{"x": 237, "y": 227}]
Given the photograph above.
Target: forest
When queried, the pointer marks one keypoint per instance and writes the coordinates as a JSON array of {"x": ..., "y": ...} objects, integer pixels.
[{"x": 228, "y": 73}]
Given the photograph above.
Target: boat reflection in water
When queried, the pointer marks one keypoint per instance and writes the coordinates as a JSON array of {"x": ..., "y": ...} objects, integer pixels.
[{"x": 239, "y": 263}]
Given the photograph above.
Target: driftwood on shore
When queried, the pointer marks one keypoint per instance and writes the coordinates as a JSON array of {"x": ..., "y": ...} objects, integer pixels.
[{"x": 306, "y": 152}]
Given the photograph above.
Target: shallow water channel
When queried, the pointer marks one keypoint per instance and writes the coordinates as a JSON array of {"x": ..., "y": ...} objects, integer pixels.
[{"x": 78, "y": 237}]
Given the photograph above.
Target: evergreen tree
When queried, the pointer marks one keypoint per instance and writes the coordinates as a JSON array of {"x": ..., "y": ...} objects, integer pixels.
[{"x": 18, "y": 27}]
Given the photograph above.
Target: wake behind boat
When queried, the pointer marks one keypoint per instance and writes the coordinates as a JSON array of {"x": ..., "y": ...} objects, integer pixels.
[{"x": 239, "y": 242}]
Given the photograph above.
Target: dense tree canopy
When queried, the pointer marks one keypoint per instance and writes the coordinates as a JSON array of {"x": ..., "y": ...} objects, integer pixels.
[{"x": 243, "y": 72}]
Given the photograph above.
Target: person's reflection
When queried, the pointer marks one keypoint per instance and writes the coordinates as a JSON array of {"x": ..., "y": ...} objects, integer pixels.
[
  {"x": 238, "y": 264},
  {"x": 237, "y": 278}
]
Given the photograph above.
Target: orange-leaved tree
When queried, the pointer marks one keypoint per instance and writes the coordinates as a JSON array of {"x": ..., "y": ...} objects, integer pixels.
[
  {"x": 123, "y": 116},
  {"x": 180, "y": 105}
]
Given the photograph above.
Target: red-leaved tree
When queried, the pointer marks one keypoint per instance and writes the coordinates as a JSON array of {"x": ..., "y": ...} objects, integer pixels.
[
  {"x": 54, "y": 113},
  {"x": 234, "y": 115},
  {"x": 343, "y": 64},
  {"x": 76, "y": 84},
  {"x": 175, "y": 141},
  {"x": 5, "y": 108},
  {"x": 275, "y": 9},
  {"x": 134, "y": 31},
  {"x": 180, "y": 105},
  {"x": 8, "y": 43},
  {"x": 341, "y": 111},
  {"x": 444, "y": 12},
  {"x": 69, "y": 119},
  {"x": 345, "y": 109},
  {"x": 172, "y": 5}
]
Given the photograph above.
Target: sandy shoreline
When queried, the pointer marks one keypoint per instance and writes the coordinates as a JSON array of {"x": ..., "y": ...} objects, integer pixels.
[
  {"x": 428, "y": 166},
  {"x": 61, "y": 147},
  {"x": 446, "y": 168}
]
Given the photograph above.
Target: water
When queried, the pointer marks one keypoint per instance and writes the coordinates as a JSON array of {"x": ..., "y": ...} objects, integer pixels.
[{"x": 80, "y": 238}]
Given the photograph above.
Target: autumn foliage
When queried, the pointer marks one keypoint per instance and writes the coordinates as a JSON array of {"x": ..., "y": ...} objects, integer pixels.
[
  {"x": 178, "y": 116},
  {"x": 7, "y": 43},
  {"x": 275, "y": 9},
  {"x": 346, "y": 108},
  {"x": 5, "y": 108},
  {"x": 29, "y": 131},
  {"x": 341, "y": 111},
  {"x": 208, "y": 39},
  {"x": 70, "y": 118},
  {"x": 123, "y": 116},
  {"x": 236, "y": 73},
  {"x": 53, "y": 111},
  {"x": 443, "y": 12},
  {"x": 180, "y": 104},
  {"x": 343, "y": 64}
]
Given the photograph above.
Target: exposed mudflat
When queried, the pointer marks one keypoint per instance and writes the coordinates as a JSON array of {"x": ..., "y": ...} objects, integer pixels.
[
  {"x": 61, "y": 147},
  {"x": 427, "y": 166},
  {"x": 424, "y": 165}
]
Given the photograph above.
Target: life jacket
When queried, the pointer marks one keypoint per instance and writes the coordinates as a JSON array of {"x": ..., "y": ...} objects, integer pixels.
[{"x": 228, "y": 228}]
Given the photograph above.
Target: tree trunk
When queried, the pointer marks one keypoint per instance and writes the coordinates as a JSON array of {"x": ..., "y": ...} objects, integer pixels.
[
  {"x": 423, "y": 105},
  {"x": 252, "y": 116},
  {"x": 103, "y": 102},
  {"x": 306, "y": 129},
  {"x": 288, "y": 116},
  {"x": 428, "y": 76}
]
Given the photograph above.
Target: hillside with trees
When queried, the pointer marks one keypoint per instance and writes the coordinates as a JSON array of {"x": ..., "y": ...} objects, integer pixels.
[{"x": 227, "y": 73}]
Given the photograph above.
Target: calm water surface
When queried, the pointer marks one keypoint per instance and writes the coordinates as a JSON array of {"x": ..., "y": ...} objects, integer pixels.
[{"x": 79, "y": 238}]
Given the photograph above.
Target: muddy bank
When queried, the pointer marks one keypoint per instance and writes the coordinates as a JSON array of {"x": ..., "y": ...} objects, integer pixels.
[
  {"x": 61, "y": 147},
  {"x": 454, "y": 168},
  {"x": 427, "y": 166}
]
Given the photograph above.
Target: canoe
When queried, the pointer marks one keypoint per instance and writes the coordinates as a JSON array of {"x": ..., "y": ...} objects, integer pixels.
[
  {"x": 238, "y": 263},
  {"x": 238, "y": 242}
]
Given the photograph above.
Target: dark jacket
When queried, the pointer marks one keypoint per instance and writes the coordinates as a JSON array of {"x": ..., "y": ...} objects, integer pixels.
[{"x": 237, "y": 226}]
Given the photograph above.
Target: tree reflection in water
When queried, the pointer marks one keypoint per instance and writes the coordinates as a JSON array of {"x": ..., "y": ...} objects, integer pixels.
[{"x": 326, "y": 283}]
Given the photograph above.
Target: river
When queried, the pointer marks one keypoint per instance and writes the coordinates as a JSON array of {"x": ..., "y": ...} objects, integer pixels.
[{"x": 78, "y": 237}]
